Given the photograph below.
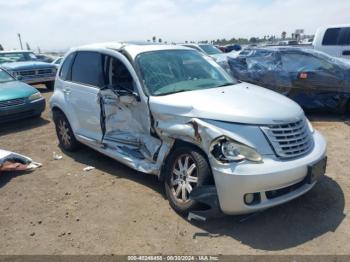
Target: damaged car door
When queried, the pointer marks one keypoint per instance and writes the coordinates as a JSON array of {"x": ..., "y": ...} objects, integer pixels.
[{"x": 125, "y": 119}]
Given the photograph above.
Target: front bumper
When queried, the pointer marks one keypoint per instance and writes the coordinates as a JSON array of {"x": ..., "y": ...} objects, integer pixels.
[
  {"x": 235, "y": 180},
  {"x": 28, "y": 109}
]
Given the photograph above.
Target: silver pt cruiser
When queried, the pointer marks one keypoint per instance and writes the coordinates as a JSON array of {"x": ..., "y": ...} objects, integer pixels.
[{"x": 215, "y": 142}]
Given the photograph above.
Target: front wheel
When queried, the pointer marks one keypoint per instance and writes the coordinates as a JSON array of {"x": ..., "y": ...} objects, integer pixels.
[{"x": 186, "y": 168}]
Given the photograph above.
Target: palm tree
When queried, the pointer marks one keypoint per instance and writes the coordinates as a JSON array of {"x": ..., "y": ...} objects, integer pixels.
[
  {"x": 284, "y": 35},
  {"x": 154, "y": 38}
]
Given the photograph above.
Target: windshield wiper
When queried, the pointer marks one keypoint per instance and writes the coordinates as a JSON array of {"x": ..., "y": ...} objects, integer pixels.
[
  {"x": 174, "y": 92},
  {"x": 227, "y": 84}
]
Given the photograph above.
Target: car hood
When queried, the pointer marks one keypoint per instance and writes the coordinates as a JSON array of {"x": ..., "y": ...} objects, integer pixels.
[
  {"x": 14, "y": 90},
  {"x": 28, "y": 65},
  {"x": 241, "y": 103}
]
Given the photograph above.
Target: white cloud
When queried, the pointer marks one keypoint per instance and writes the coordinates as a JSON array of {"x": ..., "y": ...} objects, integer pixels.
[{"x": 59, "y": 24}]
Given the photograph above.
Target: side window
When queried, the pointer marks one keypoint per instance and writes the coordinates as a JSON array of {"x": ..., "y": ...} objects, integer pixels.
[
  {"x": 65, "y": 69},
  {"x": 87, "y": 69},
  {"x": 331, "y": 36},
  {"x": 344, "y": 38},
  {"x": 117, "y": 74},
  {"x": 301, "y": 62}
]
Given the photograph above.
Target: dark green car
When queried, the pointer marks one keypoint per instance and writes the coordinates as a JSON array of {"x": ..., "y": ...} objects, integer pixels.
[{"x": 18, "y": 100}]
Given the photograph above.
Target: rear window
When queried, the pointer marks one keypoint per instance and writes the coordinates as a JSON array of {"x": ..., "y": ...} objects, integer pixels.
[
  {"x": 337, "y": 36},
  {"x": 87, "y": 69}
]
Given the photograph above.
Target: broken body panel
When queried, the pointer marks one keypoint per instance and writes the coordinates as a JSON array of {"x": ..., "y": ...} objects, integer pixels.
[{"x": 313, "y": 79}]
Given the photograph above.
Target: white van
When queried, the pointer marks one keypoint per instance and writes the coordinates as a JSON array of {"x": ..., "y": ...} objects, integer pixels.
[{"x": 333, "y": 40}]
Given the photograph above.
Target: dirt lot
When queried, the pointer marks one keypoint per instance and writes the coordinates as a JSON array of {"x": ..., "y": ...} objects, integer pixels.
[{"x": 60, "y": 209}]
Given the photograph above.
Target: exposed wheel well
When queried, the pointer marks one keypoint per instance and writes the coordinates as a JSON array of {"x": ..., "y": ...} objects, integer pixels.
[
  {"x": 56, "y": 110},
  {"x": 180, "y": 143}
]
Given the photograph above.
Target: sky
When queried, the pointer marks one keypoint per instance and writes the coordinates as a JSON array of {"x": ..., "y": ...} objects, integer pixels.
[{"x": 61, "y": 24}]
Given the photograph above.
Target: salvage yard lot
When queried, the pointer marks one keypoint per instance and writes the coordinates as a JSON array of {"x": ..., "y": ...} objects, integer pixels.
[{"x": 61, "y": 209}]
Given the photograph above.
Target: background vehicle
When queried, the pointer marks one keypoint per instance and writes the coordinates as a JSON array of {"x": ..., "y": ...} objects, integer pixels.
[
  {"x": 26, "y": 65},
  {"x": 44, "y": 58},
  {"x": 212, "y": 51},
  {"x": 333, "y": 40},
  {"x": 311, "y": 78},
  {"x": 184, "y": 119},
  {"x": 57, "y": 61},
  {"x": 234, "y": 47},
  {"x": 288, "y": 42},
  {"x": 18, "y": 100}
]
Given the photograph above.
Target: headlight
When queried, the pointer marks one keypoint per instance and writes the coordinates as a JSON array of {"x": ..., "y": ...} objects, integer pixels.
[
  {"x": 35, "y": 96},
  {"x": 310, "y": 126},
  {"x": 226, "y": 150}
]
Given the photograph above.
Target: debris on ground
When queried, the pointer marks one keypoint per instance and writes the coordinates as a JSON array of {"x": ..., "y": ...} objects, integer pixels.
[
  {"x": 56, "y": 156},
  {"x": 89, "y": 168},
  {"x": 10, "y": 161},
  {"x": 347, "y": 122}
]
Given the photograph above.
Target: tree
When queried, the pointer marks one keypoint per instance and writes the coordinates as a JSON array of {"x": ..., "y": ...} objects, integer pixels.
[
  {"x": 253, "y": 40},
  {"x": 159, "y": 40},
  {"x": 154, "y": 38},
  {"x": 1, "y": 48},
  {"x": 284, "y": 35}
]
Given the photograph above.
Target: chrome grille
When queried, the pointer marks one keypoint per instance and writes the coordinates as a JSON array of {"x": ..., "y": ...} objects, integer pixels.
[
  {"x": 12, "y": 102},
  {"x": 44, "y": 71},
  {"x": 289, "y": 140},
  {"x": 27, "y": 73}
]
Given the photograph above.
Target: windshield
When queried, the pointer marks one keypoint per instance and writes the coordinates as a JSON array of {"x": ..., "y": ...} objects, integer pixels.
[
  {"x": 5, "y": 77},
  {"x": 210, "y": 50},
  {"x": 173, "y": 71},
  {"x": 16, "y": 57}
]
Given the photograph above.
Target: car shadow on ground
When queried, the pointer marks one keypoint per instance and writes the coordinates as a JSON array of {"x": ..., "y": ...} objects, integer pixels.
[
  {"x": 90, "y": 157},
  {"x": 314, "y": 214},
  {"x": 22, "y": 125},
  {"x": 319, "y": 211}
]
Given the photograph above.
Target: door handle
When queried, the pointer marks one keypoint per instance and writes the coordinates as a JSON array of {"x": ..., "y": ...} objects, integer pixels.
[{"x": 67, "y": 91}]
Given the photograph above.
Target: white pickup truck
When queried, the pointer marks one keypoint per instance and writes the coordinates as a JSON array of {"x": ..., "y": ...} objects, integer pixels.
[{"x": 333, "y": 40}]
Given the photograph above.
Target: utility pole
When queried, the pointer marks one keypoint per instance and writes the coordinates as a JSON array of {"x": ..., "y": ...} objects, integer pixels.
[{"x": 20, "y": 40}]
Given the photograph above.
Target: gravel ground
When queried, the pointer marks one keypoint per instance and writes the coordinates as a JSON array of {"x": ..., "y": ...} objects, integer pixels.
[{"x": 60, "y": 209}]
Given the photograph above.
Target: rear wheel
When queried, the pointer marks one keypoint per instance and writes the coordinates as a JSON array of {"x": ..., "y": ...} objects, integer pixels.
[
  {"x": 186, "y": 169},
  {"x": 64, "y": 132},
  {"x": 50, "y": 85}
]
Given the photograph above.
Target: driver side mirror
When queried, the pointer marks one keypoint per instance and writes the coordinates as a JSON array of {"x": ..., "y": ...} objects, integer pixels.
[{"x": 129, "y": 98}]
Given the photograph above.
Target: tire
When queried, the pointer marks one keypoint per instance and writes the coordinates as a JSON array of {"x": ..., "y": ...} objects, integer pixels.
[
  {"x": 64, "y": 132},
  {"x": 347, "y": 108},
  {"x": 179, "y": 184},
  {"x": 50, "y": 85}
]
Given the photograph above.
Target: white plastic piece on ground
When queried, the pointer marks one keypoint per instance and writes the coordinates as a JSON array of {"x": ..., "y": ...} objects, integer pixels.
[
  {"x": 56, "y": 156},
  {"x": 88, "y": 168}
]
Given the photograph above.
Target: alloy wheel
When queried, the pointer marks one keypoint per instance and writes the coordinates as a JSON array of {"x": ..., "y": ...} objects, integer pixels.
[{"x": 184, "y": 177}]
